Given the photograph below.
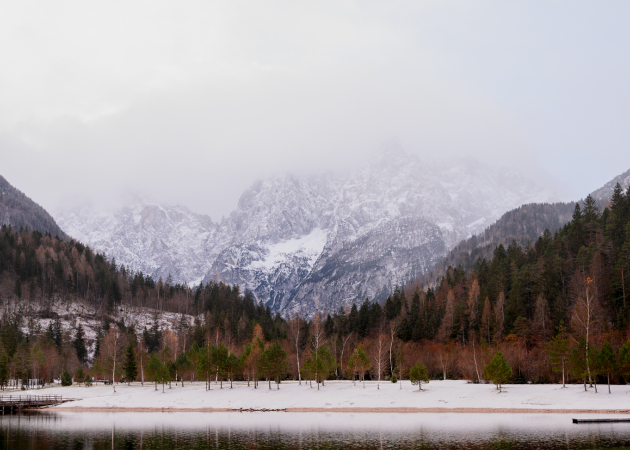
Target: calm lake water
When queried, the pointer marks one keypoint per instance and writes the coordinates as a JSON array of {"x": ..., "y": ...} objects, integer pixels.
[{"x": 305, "y": 431}]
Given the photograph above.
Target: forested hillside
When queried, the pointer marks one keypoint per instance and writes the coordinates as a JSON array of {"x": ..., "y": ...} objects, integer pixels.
[
  {"x": 522, "y": 225},
  {"x": 17, "y": 210},
  {"x": 559, "y": 305}
]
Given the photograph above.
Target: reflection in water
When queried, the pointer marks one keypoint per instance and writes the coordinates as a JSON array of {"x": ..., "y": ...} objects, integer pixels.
[{"x": 304, "y": 431}]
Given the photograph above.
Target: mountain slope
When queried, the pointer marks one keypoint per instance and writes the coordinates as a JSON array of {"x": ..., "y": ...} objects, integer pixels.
[
  {"x": 157, "y": 240},
  {"x": 18, "y": 210},
  {"x": 320, "y": 242},
  {"x": 522, "y": 225},
  {"x": 604, "y": 194}
]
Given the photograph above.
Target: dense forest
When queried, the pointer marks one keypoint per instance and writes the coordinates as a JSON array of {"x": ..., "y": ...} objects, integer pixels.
[
  {"x": 521, "y": 225},
  {"x": 557, "y": 309}
]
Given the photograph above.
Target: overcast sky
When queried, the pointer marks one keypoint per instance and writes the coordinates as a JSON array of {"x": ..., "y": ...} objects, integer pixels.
[{"x": 192, "y": 101}]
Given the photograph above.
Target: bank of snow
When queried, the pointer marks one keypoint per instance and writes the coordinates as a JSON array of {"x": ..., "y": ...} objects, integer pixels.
[{"x": 336, "y": 395}]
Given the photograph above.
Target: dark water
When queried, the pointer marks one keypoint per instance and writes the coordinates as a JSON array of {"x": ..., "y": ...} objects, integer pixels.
[{"x": 305, "y": 431}]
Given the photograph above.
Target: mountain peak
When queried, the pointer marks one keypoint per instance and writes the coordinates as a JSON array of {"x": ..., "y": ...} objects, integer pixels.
[{"x": 312, "y": 242}]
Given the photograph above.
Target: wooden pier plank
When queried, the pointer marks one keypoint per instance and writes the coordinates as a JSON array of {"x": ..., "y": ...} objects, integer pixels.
[
  {"x": 18, "y": 402},
  {"x": 609, "y": 420}
]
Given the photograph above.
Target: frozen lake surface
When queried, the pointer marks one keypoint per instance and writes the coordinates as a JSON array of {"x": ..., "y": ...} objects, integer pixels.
[{"x": 191, "y": 430}]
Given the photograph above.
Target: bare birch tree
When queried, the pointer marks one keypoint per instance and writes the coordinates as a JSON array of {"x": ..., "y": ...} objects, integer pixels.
[
  {"x": 295, "y": 326},
  {"x": 583, "y": 318},
  {"x": 379, "y": 354},
  {"x": 317, "y": 340},
  {"x": 111, "y": 350}
]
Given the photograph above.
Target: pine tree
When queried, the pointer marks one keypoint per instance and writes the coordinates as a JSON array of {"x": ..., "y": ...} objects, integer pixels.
[
  {"x": 591, "y": 216},
  {"x": 418, "y": 375},
  {"x": 328, "y": 362},
  {"x": 623, "y": 361},
  {"x": 274, "y": 363},
  {"x": 579, "y": 366},
  {"x": 154, "y": 369},
  {"x": 18, "y": 289},
  {"x": 498, "y": 370},
  {"x": 4, "y": 368},
  {"x": 606, "y": 361},
  {"x": 79, "y": 344},
  {"x": 66, "y": 378},
  {"x": 233, "y": 365},
  {"x": 576, "y": 234},
  {"x": 559, "y": 351},
  {"x": 130, "y": 368},
  {"x": 218, "y": 360},
  {"x": 184, "y": 365},
  {"x": 360, "y": 363},
  {"x": 55, "y": 332},
  {"x": 79, "y": 376}
]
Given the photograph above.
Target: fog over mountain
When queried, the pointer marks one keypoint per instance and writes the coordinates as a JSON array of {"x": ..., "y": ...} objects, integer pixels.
[
  {"x": 308, "y": 243},
  {"x": 189, "y": 103}
]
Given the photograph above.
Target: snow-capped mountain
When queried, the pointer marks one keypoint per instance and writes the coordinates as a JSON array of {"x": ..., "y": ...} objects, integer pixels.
[
  {"x": 312, "y": 243},
  {"x": 604, "y": 193},
  {"x": 155, "y": 239}
]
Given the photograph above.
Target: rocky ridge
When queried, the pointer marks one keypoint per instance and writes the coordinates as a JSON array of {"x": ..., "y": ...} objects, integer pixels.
[{"x": 313, "y": 243}]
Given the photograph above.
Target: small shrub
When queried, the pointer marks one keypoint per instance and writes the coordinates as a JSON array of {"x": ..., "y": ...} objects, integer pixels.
[{"x": 394, "y": 379}]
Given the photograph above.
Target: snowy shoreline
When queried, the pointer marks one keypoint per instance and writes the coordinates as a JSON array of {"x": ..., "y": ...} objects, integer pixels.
[{"x": 344, "y": 396}]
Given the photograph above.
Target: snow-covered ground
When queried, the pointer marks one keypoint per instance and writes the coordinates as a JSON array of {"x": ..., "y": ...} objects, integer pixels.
[{"x": 343, "y": 394}]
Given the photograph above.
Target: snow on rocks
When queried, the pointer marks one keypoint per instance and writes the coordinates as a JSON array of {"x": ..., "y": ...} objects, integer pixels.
[
  {"x": 37, "y": 318},
  {"x": 319, "y": 242}
]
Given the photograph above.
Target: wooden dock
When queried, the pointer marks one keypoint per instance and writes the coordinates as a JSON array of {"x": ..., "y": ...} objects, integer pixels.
[
  {"x": 11, "y": 403},
  {"x": 613, "y": 420}
]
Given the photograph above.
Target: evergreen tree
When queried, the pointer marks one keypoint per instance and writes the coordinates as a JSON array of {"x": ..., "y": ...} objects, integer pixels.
[
  {"x": 4, "y": 369},
  {"x": 184, "y": 365},
  {"x": 559, "y": 352},
  {"x": 155, "y": 369},
  {"x": 578, "y": 361},
  {"x": 498, "y": 370},
  {"x": 418, "y": 375},
  {"x": 55, "y": 332},
  {"x": 360, "y": 363},
  {"x": 166, "y": 368},
  {"x": 233, "y": 365},
  {"x": 218, "y": 361},
  {"x": 130, "y": 368},
  {"x": 66, "y": 378},
  {"x": 79, "y": 376},
  {"x": 18, "y": 289},
  {"x": 273, "y": 363},
  {"x": 576, "y": 230},
  {"x": 79, "y": 344},
  {"x": 623, "y": 361},
  {"x": 328, "y": 364},
  {"x": 606, "y": 361}
]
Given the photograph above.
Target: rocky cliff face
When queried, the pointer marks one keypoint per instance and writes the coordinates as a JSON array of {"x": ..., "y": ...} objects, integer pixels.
[
  {"x": 312, "y": 243},
  {"x": 155, "y": 239}
]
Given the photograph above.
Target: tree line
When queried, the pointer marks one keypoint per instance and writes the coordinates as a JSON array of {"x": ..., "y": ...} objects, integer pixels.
[{"x": 555, "y": 310}]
